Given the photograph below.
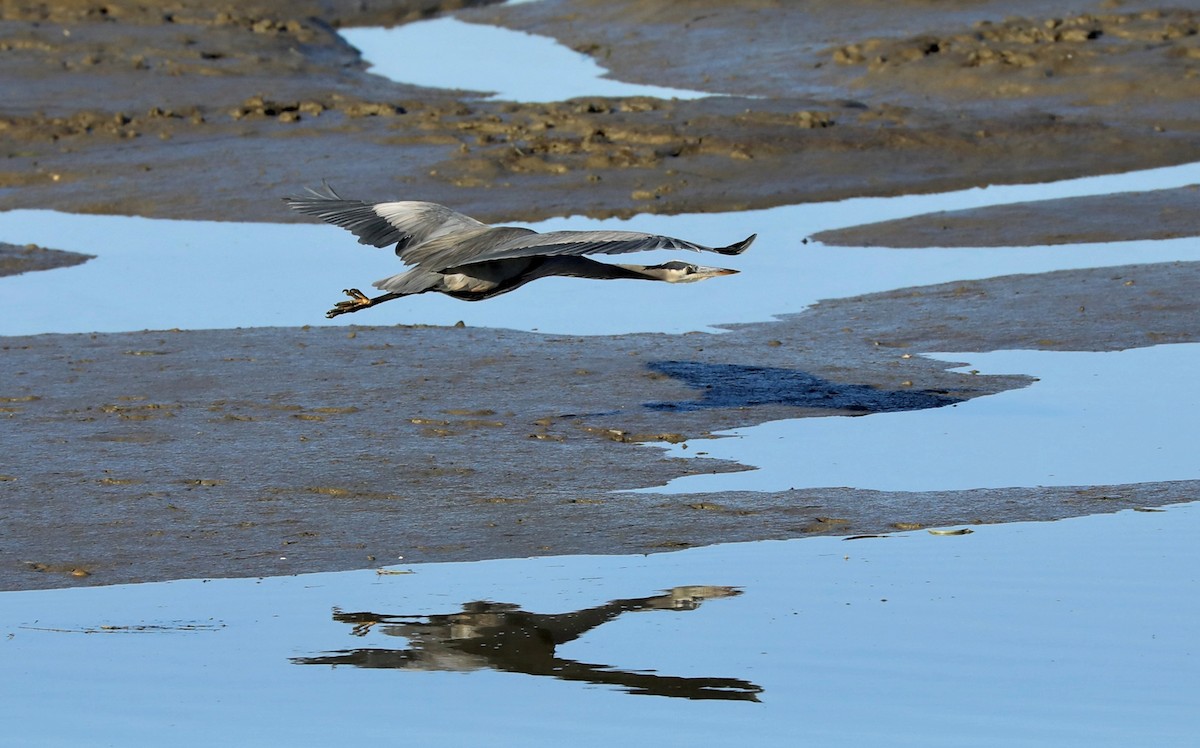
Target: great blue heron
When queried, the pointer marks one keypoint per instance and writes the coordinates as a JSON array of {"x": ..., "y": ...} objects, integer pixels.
[{"x": 456, "y": 255}]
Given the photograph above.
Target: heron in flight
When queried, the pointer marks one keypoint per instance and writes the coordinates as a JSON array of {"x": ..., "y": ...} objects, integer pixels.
[{"x": 456, "y": 255}]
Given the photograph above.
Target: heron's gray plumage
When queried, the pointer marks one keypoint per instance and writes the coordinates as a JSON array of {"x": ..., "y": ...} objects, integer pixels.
[
  {"x": 406, "y": 224},
  {"x": 460, "y": 256},
  {"x": 499, "y": 244}
]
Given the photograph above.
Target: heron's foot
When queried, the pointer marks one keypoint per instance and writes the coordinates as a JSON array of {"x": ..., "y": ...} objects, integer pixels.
[
  {"x": 363, "y": 628},
  {"x": 358, "y": 300}
]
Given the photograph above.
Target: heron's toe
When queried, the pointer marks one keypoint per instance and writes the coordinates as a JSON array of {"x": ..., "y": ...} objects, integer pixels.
[{"x": 358, "y": 300}]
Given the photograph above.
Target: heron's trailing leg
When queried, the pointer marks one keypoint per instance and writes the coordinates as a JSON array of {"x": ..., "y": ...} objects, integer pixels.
[{"x": 358, "y": 301}]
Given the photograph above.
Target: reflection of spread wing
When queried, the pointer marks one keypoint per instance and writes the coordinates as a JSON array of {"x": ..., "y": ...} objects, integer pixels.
[
  {"x": 650, "y": 684},
  {"x": 368, "y": 658},
  {"x": 450, "y": 660},
  {"x": 433, "y": 660}
]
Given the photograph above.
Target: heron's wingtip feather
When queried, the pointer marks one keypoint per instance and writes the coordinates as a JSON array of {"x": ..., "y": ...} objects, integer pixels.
[
  {"x": 739, "y": 247},
  {"x": 326, "y": 192}
]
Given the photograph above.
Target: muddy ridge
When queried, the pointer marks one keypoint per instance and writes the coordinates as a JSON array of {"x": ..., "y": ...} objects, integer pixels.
[
  {"x": 273, "y": 450},
  {"x": 118, "y": 107},
  {"x": 31, "y": 257},
  {"x": 165, "y": 454},
  {"x": 1126, "y": 216}
]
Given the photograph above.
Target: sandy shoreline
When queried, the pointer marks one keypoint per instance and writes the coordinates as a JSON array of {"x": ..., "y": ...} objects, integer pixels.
[{"x": 175, "y": 453}]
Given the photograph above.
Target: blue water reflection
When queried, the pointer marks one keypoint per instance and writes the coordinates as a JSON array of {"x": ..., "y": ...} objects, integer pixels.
[
  {"x": 1092, "y": 418},
  {"x": 160, "y": 274},
  {"x": 511, "y": 65},
  {"x": 1077, "y": 632}
]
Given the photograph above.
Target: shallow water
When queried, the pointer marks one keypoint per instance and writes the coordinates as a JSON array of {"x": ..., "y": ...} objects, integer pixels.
[
  {"x": 162, "y": 274},
  {"x": 1108, "y": 418},
  {"x": 1008, "y": 635},
  {"x": 511, "y": 65}
]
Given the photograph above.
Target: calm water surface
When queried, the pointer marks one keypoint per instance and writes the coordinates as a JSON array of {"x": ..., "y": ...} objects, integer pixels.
[
  {"x": 510, "y": 65},
  {"x": 161, "y": 274},
  {"x": 1079, "y": 632},
  {"x": 1092, "y": 418}
]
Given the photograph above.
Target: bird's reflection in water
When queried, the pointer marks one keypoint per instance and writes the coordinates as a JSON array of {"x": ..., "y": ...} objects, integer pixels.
[{"x": 501, "y": 636}]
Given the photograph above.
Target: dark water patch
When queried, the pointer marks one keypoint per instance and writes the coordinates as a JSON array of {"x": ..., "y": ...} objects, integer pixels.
[{"x": 738, "y": 386}]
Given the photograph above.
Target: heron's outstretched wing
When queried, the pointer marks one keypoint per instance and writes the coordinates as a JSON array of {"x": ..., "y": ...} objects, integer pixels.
[
  {"x": 436, "y": 238},
  {"x": 506, "y": 243},
  {"x": 404, "y": 224}
]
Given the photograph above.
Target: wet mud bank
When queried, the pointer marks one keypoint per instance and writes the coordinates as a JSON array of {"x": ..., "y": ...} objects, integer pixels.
[
  {"x": 1128, "y": 216},
  {"x": 191, "y": 110},
  {"x": 159, "y": 455},
  {"x": 271, "y": 451},
  {"x": 16, "y": 259}
]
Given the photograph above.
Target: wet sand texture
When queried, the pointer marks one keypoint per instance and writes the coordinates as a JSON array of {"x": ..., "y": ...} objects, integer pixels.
[
  {"x": 264, "y": 451},
  {"x": 1156, "y": 214},
  {"x": 157, "y": 455},
  {"x": 24, "y": 259},
  {"x": 199, "y": 110}
]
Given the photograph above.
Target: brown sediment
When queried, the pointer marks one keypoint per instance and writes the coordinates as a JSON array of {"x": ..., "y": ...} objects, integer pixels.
[
  {"x": 199, "y": 110},
  {"x": 24, "y": 259}
]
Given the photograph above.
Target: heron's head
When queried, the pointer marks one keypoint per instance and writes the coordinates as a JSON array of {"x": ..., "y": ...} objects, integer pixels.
[{"x": 684, "y": 272}]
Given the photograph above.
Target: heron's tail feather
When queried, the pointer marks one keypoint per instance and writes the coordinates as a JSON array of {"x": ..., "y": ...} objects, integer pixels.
[{"x": 409, "y": 282}]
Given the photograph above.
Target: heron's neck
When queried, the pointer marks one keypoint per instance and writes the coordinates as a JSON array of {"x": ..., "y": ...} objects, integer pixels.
[
  {"x": 585, "y": 267},
  {"x": 646, "y": 272}
]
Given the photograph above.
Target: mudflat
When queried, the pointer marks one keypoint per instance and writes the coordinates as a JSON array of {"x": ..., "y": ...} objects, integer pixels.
[
  {"x": 192, "y": 109},
  {"x": 167, "y": 454}
]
